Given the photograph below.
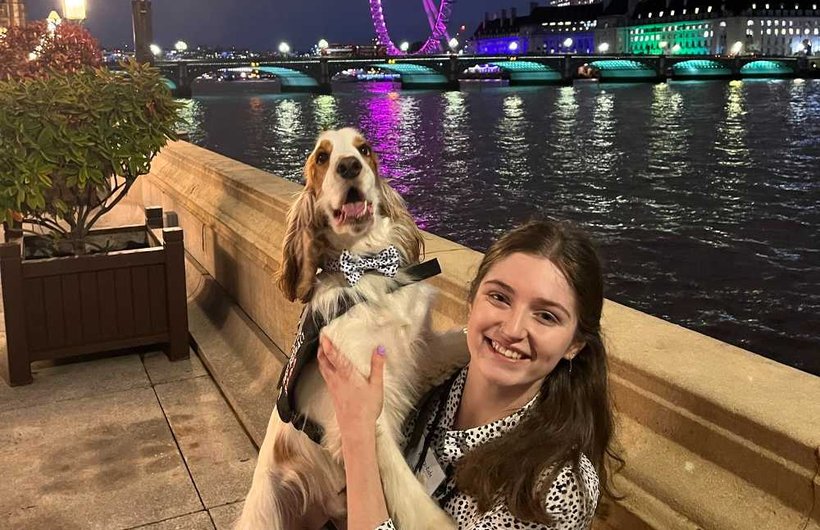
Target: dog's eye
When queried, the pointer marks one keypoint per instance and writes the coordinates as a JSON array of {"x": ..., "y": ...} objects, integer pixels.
[
  {"x": 322, "y": 157},
  {"x": 364, "y": 150}
]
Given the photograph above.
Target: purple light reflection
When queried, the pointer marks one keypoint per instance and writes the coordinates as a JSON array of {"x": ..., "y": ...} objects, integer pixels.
[{"x": 381, "y": 123}]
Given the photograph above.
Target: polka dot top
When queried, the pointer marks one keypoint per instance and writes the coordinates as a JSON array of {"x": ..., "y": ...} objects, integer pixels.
[{"x": 565, "y": 500}]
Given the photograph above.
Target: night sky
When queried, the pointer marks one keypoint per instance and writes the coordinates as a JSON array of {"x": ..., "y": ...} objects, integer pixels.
[{"x": 261, "y": 25}]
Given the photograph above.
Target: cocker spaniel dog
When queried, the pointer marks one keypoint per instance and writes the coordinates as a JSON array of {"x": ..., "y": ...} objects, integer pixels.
[{"x": 347, "y": 249}]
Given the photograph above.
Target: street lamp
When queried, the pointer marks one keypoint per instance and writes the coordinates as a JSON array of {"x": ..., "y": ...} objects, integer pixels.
[
  {"x": 603, "y": 47},
  {"x": 453, "y": 43},
  {"x": 180, "y": 46},
  {"x": 404, "y": 46},
  {"x": 736, "y": 47},
  {"x": 323, "y": 44},
  {"x": 284, "y": 48},
  {"x": 74, "y": 9},
  {"x": 155, "y": 49},
  {"x": 513, "y": 47},
  {"x": 53, "y": 21}
]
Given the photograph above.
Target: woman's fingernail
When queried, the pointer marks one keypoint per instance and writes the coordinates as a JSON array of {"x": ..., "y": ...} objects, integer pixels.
[{"x": 380, "y": 350}]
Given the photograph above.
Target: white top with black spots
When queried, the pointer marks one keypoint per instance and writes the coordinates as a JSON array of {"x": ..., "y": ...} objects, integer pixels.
[{"x": 564, "y": 501}]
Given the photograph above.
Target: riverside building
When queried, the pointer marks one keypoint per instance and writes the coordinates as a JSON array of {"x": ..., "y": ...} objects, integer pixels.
[
  {"x": 12, "y": 13},
  {"x": 655, "y": 27}
]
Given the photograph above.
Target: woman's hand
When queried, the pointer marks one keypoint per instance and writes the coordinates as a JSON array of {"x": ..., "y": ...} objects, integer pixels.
[{"x": 357, "y": 400}]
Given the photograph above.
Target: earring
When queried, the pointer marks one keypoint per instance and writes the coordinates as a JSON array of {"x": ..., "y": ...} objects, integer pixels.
[
  {"x": 464, "y": 330},
  {"x": 570, "y": 366}
]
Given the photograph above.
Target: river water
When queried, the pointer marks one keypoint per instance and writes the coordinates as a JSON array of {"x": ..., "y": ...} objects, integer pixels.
[{"x": 704, "y": 196}]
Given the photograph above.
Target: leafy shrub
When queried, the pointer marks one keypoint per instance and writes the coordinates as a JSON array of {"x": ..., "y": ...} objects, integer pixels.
[{"x": 73, "y": 143}]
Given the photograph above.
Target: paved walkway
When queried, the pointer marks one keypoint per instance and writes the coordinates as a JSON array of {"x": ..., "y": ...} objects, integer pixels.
[
  {"x": 118, "y": 442},
  {"x": 132, "y": 441}
]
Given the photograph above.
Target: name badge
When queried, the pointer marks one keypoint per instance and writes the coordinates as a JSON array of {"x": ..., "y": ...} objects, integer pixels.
[{"x": 431, "y": 474}]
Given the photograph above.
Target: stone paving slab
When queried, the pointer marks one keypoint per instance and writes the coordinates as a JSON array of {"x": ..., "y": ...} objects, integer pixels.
[
  {"x": 161, "y": 370},
  {"x": 225, "y": 516},
  {"x": 54, "y": 382},
  {"x": 101, "y": 462},
  {"x": 195, "y": 521},
  {"x": 218, "y": 452}
]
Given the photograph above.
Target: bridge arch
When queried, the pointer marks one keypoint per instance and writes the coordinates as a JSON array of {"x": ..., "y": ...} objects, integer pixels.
[
  {"x": 766, "y": 68},
  {"x": 528, "y": 72},
  {"x": 415, "y": 75},
  {"x": 291, "y": 80},
  {"x": 693, "y": 68},
  {"x": 623, "y": 69}
]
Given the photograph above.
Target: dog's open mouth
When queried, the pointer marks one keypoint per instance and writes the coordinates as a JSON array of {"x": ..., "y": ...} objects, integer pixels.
[{"x": 355, "y": 208}]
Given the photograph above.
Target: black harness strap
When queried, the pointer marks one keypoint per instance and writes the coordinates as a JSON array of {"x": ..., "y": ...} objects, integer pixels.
[{"x": 306, "y": 346}]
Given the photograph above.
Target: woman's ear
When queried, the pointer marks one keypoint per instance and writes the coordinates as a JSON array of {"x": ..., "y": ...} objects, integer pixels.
[
  {"x": 573, "y": 349},
  {"x": 299, "y": 256}
]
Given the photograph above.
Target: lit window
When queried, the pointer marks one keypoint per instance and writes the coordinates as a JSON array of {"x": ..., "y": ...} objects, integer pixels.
[
  {"x": 791, "y": 31},
  {"x": 816, "y": 31},
  {"x": 768, "y": 22},
  {"x": 776, "y": 31},
  {"x": 709, "y": 9},
  {"x": 777, "y": 23},
  {"x": 649, "y": 15},
  {"x": 705, "y": 34},
  {"x": 768, "y": 31},
  {"x": 754, "y": 6},
  {"x": 722, "y": 23},
  {"x": 791, "y": 23},
  {"x": 684, "y": 11},
  {"x": 807, "y": 31},
  {"x": 767, "y": 6},
  {"x": 660, "y": 14},
  {"x": 697, "y": 10},
  {"x": 750, "y": 22},
  {"x": 672, "y": 13}
]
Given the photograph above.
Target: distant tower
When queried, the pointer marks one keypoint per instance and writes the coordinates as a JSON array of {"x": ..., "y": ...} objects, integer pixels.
[
  {"x": 143, "y": 30},
  {"x": 12, "y": 13}
]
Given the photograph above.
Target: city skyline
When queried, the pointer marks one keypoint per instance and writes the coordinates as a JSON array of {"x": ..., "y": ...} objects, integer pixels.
[{"x": 263, "y": 25}]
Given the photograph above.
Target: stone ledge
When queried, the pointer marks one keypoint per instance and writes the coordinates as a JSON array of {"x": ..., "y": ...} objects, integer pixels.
[{"x": 741, "y": 417}]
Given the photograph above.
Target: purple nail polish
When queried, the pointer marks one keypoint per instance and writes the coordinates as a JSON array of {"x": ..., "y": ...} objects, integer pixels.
[{"x": 380, "y": 350}]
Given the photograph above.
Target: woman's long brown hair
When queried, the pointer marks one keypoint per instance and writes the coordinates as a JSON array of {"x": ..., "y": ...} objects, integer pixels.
[{"x": 573, "y": 412}]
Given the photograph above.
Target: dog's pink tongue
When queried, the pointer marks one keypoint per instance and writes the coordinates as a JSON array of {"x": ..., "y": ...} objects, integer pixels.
[{"x": 354, "y": 209}]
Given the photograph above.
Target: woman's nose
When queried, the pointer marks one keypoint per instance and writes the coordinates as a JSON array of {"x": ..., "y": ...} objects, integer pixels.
[{"x": 513, "y": 326}]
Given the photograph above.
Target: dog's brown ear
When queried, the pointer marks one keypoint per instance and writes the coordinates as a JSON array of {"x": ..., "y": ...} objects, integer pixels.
[
  {"x": 409, "y": 236},
  {"x": 298, "y": 265}
]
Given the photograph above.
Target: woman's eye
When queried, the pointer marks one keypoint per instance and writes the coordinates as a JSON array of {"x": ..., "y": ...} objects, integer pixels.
[
  {"x": 321, "y": 158},
  {"x": 546, "y": 316},
  {"x": 497, "y": 297},
  {"x": 364, "y": 150}
]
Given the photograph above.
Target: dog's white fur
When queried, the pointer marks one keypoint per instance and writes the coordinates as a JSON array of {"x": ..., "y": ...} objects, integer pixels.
[{"x": 296, "y": 483}]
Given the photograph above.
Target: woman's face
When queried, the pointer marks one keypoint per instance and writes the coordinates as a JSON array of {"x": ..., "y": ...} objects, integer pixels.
[{"x": 522, "y": 322}]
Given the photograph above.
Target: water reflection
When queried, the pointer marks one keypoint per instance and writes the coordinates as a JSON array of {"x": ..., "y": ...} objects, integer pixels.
[
  {"x": 289, "y": 128},
  {"x": 191, "y": 117},
  {"x": 325, "y": 112},
  {"x": 731, "y": 139}
]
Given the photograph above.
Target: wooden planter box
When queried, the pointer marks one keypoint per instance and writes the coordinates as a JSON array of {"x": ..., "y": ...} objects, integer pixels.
[{"x": 67, "y": 306}]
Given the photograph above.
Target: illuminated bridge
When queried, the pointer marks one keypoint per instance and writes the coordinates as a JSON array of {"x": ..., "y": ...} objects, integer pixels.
[{"x": 444, "y": 71}]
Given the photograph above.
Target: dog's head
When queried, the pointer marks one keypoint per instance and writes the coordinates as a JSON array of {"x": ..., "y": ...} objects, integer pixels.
[
  {"x": 344, "y": 204},
  {"x": 342, "y": 173}
]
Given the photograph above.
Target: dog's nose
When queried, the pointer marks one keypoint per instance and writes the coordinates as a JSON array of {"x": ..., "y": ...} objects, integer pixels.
[{"x": 349, "y": 167}]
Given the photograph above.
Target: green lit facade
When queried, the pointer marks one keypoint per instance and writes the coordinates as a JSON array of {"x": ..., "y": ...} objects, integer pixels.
[{"x": 695, "y": 37}]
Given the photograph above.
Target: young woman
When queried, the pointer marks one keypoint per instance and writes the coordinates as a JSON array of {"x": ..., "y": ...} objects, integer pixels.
[{"x": 519, "y": 437}]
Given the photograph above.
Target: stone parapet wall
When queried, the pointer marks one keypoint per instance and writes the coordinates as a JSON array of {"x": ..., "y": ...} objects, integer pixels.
[{"x": 714, "y": 436}]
